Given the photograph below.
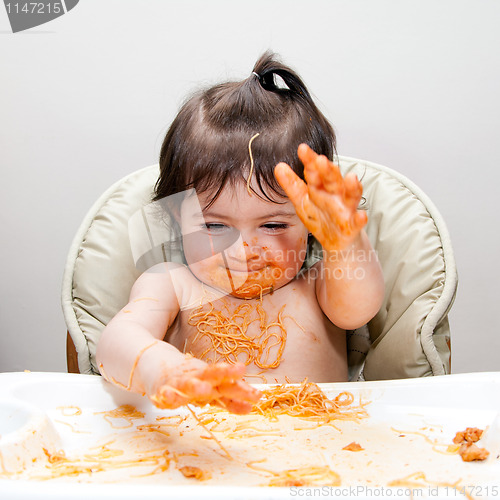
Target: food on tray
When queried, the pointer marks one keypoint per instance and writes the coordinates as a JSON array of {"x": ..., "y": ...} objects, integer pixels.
[
  {"x": 70, "y": 411},
  {"x": 124, "y": 412},
  {"x": 308, "y": 401},
  {"x": 297, "y": 435},
  {"x": 306, "y": 476},
  {"x": 471, "y": 435},
  {"x": 195, "y": 473},
  {"x": 468, "y": 450},
  {"x": 353, "y": 447}
]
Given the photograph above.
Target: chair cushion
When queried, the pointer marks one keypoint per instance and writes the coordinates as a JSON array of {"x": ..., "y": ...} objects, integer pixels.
[
  {"x": 410, "y": 335},
  {"x": 100, "y": 269},
  {"x": 122, "y": 235}
]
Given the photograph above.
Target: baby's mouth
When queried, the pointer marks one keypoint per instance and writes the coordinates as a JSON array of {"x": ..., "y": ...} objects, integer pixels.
[
  {"x": 248, "y": 270},
  {"x": 251, "y": 282}
]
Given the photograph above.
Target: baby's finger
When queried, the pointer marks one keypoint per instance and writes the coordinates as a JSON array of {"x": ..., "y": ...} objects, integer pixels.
[
  {"x": 312, "y": 176},
  {"x": 360, "y": 219},
  {"x": 319, "y": 170},
  {"x": 168, "y": 398},
  {"x": 330, "y": 175},
  {"x": 294, "y": 187},
  {"x": 240, "y": 391},
  {"x": 309, "y": 158},
  {"x": 306, "y": 155},
  {"x": 234, "y": 406},
  {"x": 353, "y": 190},
  {"x": 196, "y": 388}
]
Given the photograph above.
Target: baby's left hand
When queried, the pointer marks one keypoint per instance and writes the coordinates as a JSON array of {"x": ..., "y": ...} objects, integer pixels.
[{"x": 328, "y": 203}]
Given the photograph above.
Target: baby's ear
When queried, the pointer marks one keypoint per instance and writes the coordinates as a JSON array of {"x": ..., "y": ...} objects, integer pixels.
[
  {"x": 175, "y": 212},
  {"x": 169, "y": 206},
  {"x": 172, "y": 206}
]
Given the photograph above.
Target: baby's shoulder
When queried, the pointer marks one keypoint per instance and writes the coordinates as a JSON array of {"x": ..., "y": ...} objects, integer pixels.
[
  {"x": 164, "y": 277},
  {"x": 164, "y": 267},
  {"x": 172, "y": 278},
  {"x": 303, "y": 285},
  {"x": 308, "y": 276}
]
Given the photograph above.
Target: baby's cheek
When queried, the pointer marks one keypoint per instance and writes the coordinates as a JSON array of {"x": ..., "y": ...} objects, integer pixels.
[
  {"x": 267, "y": 254},
  {"x": 193, "y": 255},
  {"x": 293, "y": 255},
  {"x": 212, "y": 272}
]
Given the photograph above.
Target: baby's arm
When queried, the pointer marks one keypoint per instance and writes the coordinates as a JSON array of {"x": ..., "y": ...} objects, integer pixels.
[
  {"x": 132, "y": 354},
  {"x": 350, "y": 287}
]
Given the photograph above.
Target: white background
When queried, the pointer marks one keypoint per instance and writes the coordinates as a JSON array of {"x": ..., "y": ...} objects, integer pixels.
[{"x": 87, "y": 98}]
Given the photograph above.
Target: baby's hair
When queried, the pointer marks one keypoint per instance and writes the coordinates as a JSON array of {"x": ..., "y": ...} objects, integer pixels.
[{"x": 206, "y": 147}]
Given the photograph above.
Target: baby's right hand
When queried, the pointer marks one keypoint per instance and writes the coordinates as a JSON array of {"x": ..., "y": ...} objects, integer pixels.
[
  {"x": 326, "y": 203},
  {"x": 196, "y": 382}
]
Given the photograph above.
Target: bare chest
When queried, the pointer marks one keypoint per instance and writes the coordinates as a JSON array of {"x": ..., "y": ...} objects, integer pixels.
[{"x": 279, "y": 335}]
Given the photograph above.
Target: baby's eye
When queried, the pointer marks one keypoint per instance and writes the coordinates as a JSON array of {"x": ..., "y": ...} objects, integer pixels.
[
  {"x": 275, "y": 226},
  {"x": 213, "y": 227}
]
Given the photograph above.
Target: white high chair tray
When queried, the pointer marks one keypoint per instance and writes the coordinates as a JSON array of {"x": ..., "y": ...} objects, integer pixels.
[{"x": 59, "y": 429}]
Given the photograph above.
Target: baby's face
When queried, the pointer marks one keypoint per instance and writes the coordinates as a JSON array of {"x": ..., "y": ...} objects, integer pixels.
[{"x": 242, "y": 245}]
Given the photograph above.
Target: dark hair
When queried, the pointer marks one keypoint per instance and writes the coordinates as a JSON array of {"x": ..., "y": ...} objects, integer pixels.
[{"x": 207, "y": 144}]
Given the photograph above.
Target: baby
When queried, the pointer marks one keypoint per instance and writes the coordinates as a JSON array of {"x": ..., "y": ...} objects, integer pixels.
[{"x": 247, "y": 176}]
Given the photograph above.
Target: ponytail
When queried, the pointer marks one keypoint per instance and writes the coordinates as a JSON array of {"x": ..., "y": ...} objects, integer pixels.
[
  {"x": 319, "y": 135},
  {"x": 266, "y": 70}
]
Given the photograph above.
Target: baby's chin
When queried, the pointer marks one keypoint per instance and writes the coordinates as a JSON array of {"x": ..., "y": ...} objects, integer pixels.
[
  {"x": 254, "y": 291},
  {"x": 249, "y": 290}
]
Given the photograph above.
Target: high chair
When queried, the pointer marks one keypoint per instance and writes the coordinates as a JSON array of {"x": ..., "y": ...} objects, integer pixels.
[{"x": 409, "y": 337}]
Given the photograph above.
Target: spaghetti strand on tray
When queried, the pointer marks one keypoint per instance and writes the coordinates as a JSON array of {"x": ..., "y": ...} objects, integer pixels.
[
  {"x": 307, "y": 401},
  {"x": 306, "y": 476}
]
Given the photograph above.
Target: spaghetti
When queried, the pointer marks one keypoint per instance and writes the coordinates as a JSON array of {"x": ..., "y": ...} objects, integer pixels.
[
  {"x": 101, "y": 460},
  {"x": 73, "y": 410},
  {"x": 72, "y": 427},
  {"x": 123, "y": 412},
  {"x": 306, "y": 476},
  {"x": 212, "y": 435},
  {"x": 307, "y": 401},
  {"x": 228, "y": 338},
  {"x": 128, "y": 387},
  {"x": 419, "y": 479},
  {"x": 251, "y": 162}
]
